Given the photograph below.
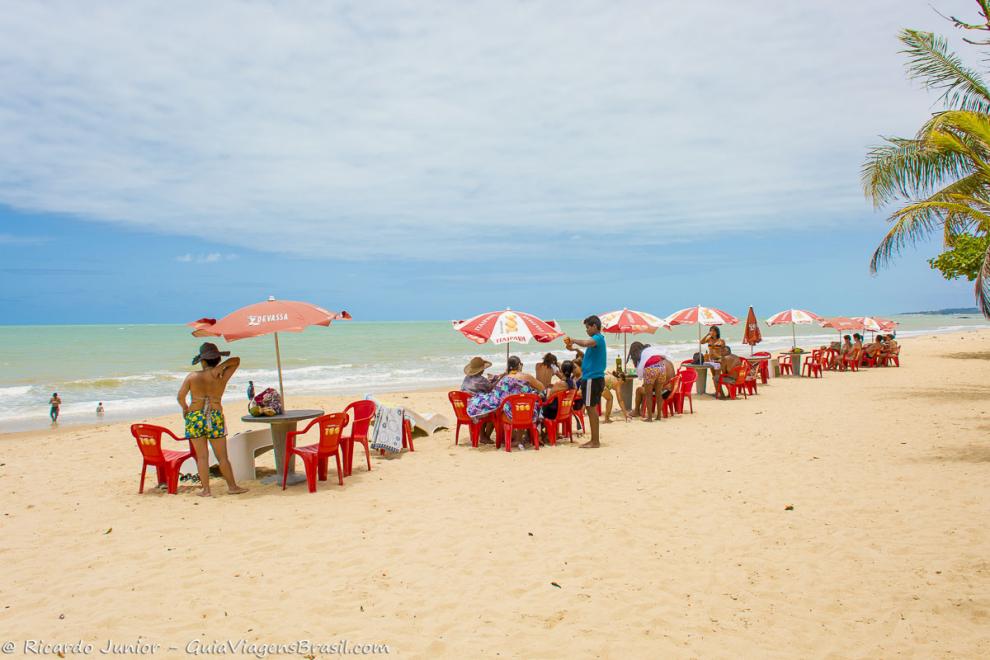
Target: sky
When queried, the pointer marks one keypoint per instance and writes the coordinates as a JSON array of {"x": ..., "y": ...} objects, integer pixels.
[{"x": 164, "y": 162}]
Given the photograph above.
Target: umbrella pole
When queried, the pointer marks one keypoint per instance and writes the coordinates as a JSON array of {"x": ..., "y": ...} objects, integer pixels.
[
  {"x": 625, "y": 350},
  {"x": 278, "y": 360},
  {"x": 793, "y": 336}
]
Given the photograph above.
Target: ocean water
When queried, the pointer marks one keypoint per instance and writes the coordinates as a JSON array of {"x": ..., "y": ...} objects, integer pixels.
[{"x": 136, "y": 370}]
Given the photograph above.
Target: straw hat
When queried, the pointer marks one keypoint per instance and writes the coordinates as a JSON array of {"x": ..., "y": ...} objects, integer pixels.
[
  {"x": 476, "y": 366},
  {"x": 209, "y": 351}
]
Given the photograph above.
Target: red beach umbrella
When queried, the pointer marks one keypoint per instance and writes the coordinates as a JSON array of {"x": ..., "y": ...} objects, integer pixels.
[
  {"x": 840, "y": 323},
  {"x": 507, "y": 326},
  {"x": 702, "y": 316},
  {"x": 269, "y": 317},
  {"x": 794, "y": 317},
  {"x": 875, "y": 324},
  {"x": 627, "y": 321},
  {"x": 752, "y": 334}
]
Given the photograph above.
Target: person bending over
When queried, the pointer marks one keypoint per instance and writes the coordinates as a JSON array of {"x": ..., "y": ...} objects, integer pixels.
[
  {"x": 613, "y": 389},
  {"x": 656, "y": 370},
  {"x": 592, "y": 381},
  {"x": 203, "y": 414}
]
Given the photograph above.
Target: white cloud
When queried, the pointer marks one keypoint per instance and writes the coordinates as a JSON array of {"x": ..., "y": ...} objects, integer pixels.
[
  {"x": 372, "y": 129},
  {"x": 210, "y": 258},
  {"x": 11, "y": 239}
]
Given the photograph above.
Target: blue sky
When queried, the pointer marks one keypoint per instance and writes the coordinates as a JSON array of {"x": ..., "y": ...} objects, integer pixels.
[{"x": 436, "y": 160}]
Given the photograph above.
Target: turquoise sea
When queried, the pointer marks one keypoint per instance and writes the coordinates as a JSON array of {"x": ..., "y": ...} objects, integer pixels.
[{"x": 135, "y": 370}]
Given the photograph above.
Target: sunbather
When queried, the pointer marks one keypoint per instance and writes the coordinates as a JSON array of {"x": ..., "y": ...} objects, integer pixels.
[
  {"x": 564, "y": 380},
  {"x": 874, "y": 348},
  {"x": 890, "y": 347},
  {"x": 547, "y": 369},
  {"x": 203, "y": 414}
]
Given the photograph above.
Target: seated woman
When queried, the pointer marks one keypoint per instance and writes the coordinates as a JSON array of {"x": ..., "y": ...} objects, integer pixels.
[
  {"x": 656, "y": 370},
  {"x": 547, "y": 369},
  {"x": 846, "y": 346},
  {"x": 716, "y": 345},
  {"x": 874, "y": 348},
  {"x": 564, "y": 381},
  {"x": 513, "y": 382},
  {"x": 890, "y": 347}
]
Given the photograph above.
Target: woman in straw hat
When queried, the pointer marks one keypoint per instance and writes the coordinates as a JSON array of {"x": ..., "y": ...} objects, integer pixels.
[
  {"x": 203, "y": 414},
  {"x": 475, "y": 381}
]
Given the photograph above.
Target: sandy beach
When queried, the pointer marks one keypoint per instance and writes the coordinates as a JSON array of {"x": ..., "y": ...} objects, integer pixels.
[{"x": 674, "y": 539}]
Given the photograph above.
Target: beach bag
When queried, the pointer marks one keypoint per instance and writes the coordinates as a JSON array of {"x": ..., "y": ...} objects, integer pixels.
[{"x": 266, "y": 404}]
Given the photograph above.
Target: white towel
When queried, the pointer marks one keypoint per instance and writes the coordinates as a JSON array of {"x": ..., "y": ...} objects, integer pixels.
[{"x": 387, "y": 431}]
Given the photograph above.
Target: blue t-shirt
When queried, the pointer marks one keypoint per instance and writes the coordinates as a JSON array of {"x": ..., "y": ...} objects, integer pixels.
[{"x": 593, "y": 364}]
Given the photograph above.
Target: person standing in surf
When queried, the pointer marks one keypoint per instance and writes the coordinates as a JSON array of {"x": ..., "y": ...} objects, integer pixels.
[
  {"x": 203, "y": 414},
  {"x": 54, "y": 406}
]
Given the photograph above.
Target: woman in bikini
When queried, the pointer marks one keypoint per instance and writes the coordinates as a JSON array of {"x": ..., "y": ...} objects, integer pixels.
[
  {"x": 656, "y": 370},
  {"x": 203, "y": 414}
]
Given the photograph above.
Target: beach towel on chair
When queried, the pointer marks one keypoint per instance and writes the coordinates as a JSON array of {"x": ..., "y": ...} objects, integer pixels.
[{"x": 387, "y": 430}]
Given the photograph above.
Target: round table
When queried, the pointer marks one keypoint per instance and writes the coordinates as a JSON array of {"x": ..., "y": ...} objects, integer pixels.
[
  {"x": 627, "y": 387},
  {"x": 701, "y": 385},
  {"x": 281, "y": 425}
]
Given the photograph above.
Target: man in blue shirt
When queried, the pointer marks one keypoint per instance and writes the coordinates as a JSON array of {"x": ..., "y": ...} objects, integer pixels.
[{"x": 592, "y": 373}]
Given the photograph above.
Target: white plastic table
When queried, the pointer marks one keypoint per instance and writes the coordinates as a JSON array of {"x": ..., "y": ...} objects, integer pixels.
[{"x": 281, "y": 425}]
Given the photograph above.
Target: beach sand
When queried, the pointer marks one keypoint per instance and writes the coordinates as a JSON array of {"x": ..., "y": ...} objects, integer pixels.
[{"x": 672, "y": 540}]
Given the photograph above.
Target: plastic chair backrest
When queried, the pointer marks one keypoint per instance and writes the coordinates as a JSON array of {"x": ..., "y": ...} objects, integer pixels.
[
  {"x": 331, "y": 427},
  {"x": 761, "y": 354},
  {"x": 743, "y": 370},
  {"x": 522, "y": 407},
  {"x": 363, "y": 413},
  {"x": 459, "y": 401},
  {"x": 149, "y": 441},
  {"x": 675, "y": 382},
  {"x": 566, "y": 405},
  {"x": 688, "y": 379}
]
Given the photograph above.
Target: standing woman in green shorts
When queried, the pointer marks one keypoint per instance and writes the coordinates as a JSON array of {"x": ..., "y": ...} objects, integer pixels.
[{"x": 204, "y": 413}]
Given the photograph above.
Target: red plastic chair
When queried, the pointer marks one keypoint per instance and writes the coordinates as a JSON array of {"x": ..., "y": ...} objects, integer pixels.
[
  {"x": 813, "y": 365},
  {"x": 668, "y": 406},
  {"x": 562, "y": 424},
  {"x": 363, "y": 413},
  {"x": 739, "y": 382},
  {"x": 165, "y": 461},
  {"x": 749, "y": 384},
  {"x": 688, "y": 379},
  {"x": 851, "y": 360},
  {"x": 892, "y": 358},
  {"x": 763, "y": 366},
  {"x": 786, "y": 367},
  {"x": 459, "y": 401},
  {"x": 316, "y": 457},
  {"x": 523, "y": 407},
  {"x": 407, "y": 442}
]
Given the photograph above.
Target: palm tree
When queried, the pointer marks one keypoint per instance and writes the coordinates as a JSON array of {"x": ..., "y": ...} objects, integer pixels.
[{"x": 943, "y": 173}]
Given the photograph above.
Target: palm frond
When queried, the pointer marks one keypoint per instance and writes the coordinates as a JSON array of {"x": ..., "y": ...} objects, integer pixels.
[
  {"x": 920, "y": 219},
  {"x": 930, "y": 61},
  {"x": 908, "y": 168},
  {"x": 971, "y": 129}
]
